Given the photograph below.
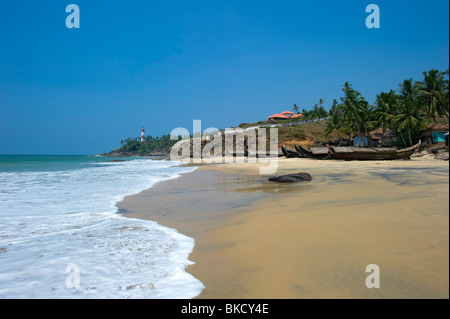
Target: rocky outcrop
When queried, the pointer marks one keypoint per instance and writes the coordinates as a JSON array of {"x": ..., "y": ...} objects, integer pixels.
[{"x": 291, "y": 178}]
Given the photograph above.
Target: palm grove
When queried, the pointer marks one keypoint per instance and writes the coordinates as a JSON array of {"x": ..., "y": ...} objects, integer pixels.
[{"x": 406, "y": 110}]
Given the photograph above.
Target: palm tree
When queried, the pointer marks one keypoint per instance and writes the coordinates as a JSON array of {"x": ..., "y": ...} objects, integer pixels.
[
  {"x": 410, "y": 117},
  {"x": 387, "y": 105},
  {"x": 315, "y": 112},
  {"x": 356, "y": 109},
  {"x": 430, "y": 93},
  {"x": 295, "y": 108},
  {"x": 305, "y": 114},
  {"x": 335, "y": 123},
  {"x": 333, "y": 127},
  {"x": 444, "y": 100},
  {"x": 408, "y": 88},
  {"x": 334, "y": 106}
]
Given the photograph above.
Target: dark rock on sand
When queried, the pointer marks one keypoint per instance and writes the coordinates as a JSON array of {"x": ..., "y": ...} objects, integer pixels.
[{"x": 291, "y": 178}]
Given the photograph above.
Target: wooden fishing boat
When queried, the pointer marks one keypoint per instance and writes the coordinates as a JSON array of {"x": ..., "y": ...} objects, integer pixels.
[
  {"x": 289, "y": 153},
  {"x": 372, "y": 153},
  {"x": 313, "y": 152},
  {"x": 299, "y": 151}
]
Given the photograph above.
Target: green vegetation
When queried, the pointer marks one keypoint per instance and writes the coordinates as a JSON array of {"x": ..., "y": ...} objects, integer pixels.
[
  {"x": 405, "y": 111},
  {"x": 151, "y": 146},
  {"x": 317, "y": 112},
  {"x": 299, "y": 133},
  {"x": 312, "y": 133}
]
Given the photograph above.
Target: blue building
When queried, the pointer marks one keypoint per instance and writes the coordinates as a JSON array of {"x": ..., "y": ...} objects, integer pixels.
[{"x": 438, "y": 136}]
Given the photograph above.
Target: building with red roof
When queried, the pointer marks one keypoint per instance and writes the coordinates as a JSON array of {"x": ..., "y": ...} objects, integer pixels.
[
  {"x": 277, "y": 117},
  {"x": 284, "y": 116},
  {"x": 287, "y": 113}
]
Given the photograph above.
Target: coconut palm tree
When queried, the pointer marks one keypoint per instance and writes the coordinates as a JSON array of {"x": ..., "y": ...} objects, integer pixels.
[
  {"x": 444, "y": 98},
  {"x": 335, "y": 123},
  {"x": 408, "y": 88},
  {"x": 410, "y": 117},
  {"x": 444, "y": 101},
  {"x": 305, "y": 115},
  {"x": 431, "y": 91},
  {"x": 355, "y": 109},
  {"x": 387, "y": 107}
]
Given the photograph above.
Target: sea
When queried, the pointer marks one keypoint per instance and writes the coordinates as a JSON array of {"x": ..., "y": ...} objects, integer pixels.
[{"x": 61, "y": 235}]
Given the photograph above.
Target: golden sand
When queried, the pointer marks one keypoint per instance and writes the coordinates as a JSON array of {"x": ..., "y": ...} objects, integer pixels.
[{"x": 258, "y": 239}]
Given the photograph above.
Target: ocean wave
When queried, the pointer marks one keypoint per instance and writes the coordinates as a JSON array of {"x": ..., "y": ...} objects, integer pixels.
[{"x": 54, "y": 220}]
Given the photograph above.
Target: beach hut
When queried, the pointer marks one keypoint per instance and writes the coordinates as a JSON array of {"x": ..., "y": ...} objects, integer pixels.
[
  {"x": 438, "y": 137},
  {"x": 435, "y": 132},
  {"x": 360, "y": 140},
  {"x": 390, "y": 136}
]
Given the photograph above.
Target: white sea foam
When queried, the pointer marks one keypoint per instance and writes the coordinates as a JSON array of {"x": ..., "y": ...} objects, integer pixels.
[{"x": 52, "y": 219}]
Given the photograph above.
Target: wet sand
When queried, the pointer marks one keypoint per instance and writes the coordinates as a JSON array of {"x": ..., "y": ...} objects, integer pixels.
[{"x": 257, "y": 239}]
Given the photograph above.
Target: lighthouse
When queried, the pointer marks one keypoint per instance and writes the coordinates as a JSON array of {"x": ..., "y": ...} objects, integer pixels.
[{"x": 142, "y": 135}]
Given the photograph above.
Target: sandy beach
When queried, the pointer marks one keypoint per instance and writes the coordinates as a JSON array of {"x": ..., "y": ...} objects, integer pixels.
[{"x": 258, "y": 239}]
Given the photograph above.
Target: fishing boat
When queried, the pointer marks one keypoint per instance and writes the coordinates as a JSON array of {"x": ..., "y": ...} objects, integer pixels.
[
  {"x": 299, "y": 151},
  {"x": 289, "y": 153},
  {"x": 372, "y": 153},
  {"x": 313, "y": 152}
]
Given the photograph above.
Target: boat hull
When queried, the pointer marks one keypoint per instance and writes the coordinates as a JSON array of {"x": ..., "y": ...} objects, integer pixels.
[
  {"x": 308, "y": 153},
  {"x": 370, "y": 154},
  {"x": 288, "y": 153}
]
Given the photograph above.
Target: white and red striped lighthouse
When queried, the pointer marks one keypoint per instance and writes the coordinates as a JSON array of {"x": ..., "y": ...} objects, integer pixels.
[{"x": 142, "y": 135}]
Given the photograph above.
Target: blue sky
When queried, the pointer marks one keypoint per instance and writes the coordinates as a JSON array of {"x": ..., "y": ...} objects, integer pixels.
[{"x": 162, "y": 64}]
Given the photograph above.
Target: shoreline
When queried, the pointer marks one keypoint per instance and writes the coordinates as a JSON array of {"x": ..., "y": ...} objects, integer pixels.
[{"x": 257, "y": 239}]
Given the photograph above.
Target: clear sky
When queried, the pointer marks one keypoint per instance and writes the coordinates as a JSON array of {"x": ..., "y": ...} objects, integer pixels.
[{"x": 162, "y": 64}]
